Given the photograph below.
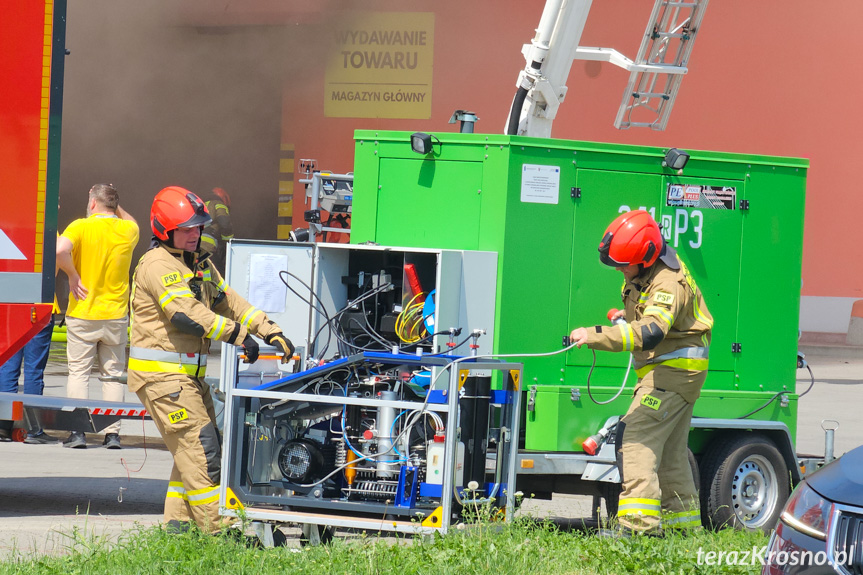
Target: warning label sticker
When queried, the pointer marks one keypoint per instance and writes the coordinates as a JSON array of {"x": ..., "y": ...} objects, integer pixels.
[{"x": 695, "y": 196}]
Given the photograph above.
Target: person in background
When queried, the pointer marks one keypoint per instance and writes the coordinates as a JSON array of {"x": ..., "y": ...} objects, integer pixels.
[
  {"x": 214, "y": 238},
  {"x": 96, "y": 254}
]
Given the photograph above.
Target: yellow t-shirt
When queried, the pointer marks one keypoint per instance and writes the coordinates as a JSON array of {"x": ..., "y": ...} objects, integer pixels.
[{"x": 102, "y": 246}]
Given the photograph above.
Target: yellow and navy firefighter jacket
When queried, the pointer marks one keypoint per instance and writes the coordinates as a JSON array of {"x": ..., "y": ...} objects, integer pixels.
[
  {"x": 667, "y": 330},
  {"x": 179, "y": 305}
]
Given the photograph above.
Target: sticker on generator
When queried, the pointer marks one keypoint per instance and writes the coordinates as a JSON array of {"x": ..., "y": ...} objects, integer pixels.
[
  {"x": 169, "y": 279},
  {"x": 178, "y": 416},
  {"x": 540, "y": 184},
  {"x": 694, "y": 196},
  {"x": 651, "y": 402}
]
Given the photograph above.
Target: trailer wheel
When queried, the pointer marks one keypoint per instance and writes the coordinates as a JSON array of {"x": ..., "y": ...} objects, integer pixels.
[
  {"x": 19, "y": 434},
  {"x": 745, "y": 483},
  {"x": 316, "y": 534}
]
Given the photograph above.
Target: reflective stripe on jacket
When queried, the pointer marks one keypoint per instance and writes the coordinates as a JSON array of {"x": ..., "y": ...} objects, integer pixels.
[
  {"x": 159, "y": 361},
  {"x": 667, "y": 330},
  {"x": 220, "y": 228},
  {"x": 176, "y": 310}
]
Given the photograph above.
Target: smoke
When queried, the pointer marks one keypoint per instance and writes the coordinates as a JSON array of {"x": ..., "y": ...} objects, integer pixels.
[{"x": 160, "y": 92}]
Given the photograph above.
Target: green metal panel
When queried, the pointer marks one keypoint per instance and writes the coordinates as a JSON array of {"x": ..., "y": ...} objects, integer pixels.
[
  {"x": 364, "y": 228},
  {"x": 532, "y": 298},
  {"x": 467, "y": 194},
  {"x": 564, "y": 415},
  {"x": 770, "y": 278},
  {"x": 559, "y": 423},
  {"x": 596, "y": 288},
  {"x": 706, "y": 234},
  {"x": 413, "y": 193}
]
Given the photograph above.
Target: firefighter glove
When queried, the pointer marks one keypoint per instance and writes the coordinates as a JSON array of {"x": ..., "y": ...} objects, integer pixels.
[
  {"x": 282, "y": 344},
  {"x": 251, "y": 348}
]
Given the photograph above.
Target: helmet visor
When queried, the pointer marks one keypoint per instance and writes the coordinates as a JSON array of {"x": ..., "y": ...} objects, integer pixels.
[
  {"x": 605, "y": 256},
  {"x": 201, "y": 217}
]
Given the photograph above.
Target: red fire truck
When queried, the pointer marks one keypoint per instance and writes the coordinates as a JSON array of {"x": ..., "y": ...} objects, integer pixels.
[{"x": 32, "y": 49}]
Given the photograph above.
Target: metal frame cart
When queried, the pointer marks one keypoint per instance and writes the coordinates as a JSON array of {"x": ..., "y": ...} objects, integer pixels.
[{"x": 374, "y": 441}]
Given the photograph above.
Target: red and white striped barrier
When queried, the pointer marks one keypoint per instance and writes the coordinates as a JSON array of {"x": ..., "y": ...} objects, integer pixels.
[{"x": 134, "y": 412}]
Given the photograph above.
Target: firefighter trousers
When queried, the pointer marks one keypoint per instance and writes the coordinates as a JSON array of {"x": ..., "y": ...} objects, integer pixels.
[
  {"x": 182, "y": 409},
  {"x": 658, "y": 488}
]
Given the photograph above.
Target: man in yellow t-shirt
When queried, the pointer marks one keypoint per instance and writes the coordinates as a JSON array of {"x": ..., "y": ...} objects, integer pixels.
[{"x": 96, "y": 254}]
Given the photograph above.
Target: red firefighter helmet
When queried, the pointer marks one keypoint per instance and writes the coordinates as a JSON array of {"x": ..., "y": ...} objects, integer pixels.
[
  {"x": 223, "y": 195},
  {"x": 632, "y": 238},
  {"x": 175, "y": 207}
]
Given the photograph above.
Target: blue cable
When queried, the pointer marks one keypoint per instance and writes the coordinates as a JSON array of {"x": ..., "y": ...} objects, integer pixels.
[
  {"x": 393, "y": 426},
  {"x": 358, "y": 454}
]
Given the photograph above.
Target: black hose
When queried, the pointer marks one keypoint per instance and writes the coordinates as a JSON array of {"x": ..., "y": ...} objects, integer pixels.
[
  {"x": 590, "y": 395},
  {"x": 766, "y": 403},
  {"x": 515, "y": 111},
  {"x": 778, "y": 394},
  {"x": 350, "y": 304},
  {"x": 322, "y": 310},
  {"x": 811, "y": 383}
]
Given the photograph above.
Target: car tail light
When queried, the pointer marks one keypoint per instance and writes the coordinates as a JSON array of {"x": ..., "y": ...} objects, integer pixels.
[{"x": 808, "y": 512}]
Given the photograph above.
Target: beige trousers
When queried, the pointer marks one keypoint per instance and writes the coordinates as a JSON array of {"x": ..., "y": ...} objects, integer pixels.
[
  {"x": 89, "y": 340},
  {"x": 182, "y": 409},
  {"x": 658, "y": 489}
]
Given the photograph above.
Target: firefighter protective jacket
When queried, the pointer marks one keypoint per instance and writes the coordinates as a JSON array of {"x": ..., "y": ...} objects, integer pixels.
[
  {"x": 180, "y": 304},
  {"x": 667, "y": 330},
  {"x": 219, "y": 231}
]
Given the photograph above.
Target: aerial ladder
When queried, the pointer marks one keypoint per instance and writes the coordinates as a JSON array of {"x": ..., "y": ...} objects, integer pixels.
[{"x": 654, "y": 76}]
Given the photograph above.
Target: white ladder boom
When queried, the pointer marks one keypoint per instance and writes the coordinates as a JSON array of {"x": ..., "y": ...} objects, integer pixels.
[
  {"x": 654, "y": 76},
  {"x": 662, "y": 61}
]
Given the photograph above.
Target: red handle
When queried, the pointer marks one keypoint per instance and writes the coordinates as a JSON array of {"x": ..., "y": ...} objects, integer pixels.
[{"x": 413, "y": 280}]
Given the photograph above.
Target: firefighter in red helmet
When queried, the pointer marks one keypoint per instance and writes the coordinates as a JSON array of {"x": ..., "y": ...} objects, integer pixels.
[
  {"x": 667, "y": 330},
  {"x": 179, "y": 305},
  {"x": 219, "y": 231}
]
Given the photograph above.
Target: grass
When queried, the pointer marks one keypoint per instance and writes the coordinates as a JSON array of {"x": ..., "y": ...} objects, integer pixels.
[{"x": 523, "y": 547}]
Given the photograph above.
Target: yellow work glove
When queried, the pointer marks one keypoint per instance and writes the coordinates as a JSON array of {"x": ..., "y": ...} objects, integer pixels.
[{"x": 283, "y": 344}]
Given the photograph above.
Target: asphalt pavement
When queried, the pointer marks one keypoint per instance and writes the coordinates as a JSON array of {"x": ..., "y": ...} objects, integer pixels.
[{"x": 51, "y": 497}]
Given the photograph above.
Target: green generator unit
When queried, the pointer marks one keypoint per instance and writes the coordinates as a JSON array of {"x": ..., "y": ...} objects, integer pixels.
[{"x": 735, "y": 220}]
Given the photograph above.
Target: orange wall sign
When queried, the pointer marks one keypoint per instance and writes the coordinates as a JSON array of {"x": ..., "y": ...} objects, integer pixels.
[{"x": 380, "y": 66}]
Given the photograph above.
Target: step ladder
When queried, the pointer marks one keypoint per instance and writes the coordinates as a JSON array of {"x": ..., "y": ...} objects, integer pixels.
[{"x": 658, "y": 69}]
